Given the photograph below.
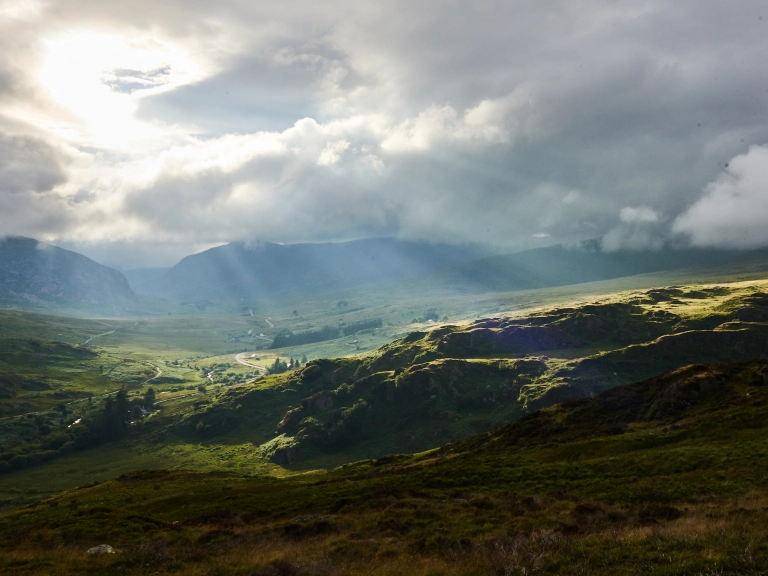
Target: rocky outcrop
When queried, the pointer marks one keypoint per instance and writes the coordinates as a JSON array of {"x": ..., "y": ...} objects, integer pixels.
[
  {"x": 512, "y": 339},
  {"x": 323, "y": 400}
]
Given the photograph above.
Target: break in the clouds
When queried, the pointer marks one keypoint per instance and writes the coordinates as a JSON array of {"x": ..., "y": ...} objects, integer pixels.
[{"x": 159, "y": 128}]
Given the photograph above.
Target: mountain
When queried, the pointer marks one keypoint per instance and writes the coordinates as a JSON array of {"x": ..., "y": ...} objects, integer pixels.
[
  {"x": 267, "y": 272},
  {"x": 270, "y": 271},
  {"x": 138, "y": 276},
  {"x": 35, "y": 275},
  {"x": 562, "y": 265}
]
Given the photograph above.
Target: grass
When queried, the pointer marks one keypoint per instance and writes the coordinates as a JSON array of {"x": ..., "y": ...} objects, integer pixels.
[{"x": 677, "y": 491}]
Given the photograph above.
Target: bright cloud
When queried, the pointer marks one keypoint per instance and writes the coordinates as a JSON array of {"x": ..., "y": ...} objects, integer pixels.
[
  {"x": 733, "y": 210},
  {"x": 191, "y": 124}
]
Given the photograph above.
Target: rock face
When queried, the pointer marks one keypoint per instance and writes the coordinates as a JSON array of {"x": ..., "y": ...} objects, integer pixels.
[
  {"x": 685, "y": 392},
  {"x": 318, "y": 402},
  {"x": 35, "y": 275}
]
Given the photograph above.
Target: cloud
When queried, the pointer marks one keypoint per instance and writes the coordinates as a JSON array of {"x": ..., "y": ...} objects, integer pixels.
[
  {"x": 30, "y": 171},
  {"x": 332, "y": 152},
  {"x": 512, "y": 123},
  {"x": 638, "y": 229},
  {"x": 28, "y": 164},
  {"x": 733, "y": 211}
]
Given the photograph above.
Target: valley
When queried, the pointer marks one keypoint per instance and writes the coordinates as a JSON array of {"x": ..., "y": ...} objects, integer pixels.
[
  {"x": 395, "y": 391},
  {"x": 522, "y": 431}
]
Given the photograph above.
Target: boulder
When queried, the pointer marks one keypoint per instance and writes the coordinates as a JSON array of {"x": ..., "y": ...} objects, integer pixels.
[{"x": 100, "y": 549}]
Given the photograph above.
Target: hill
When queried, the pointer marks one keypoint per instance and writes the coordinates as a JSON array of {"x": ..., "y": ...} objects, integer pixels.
[
  {"x": 429, "y": 388},
  {"x": 663, "y": 476},
  {"x": 415, "y": 393},
  {"x": 264, "y": 272},
  {"x": 34, "y": 275}
]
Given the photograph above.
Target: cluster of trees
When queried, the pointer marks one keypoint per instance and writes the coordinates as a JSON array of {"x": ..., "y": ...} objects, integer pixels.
[
  {"x": 280, "y": 366},
  {"x": 288, "y": 338},
  {"x": 110, "y": 423},
  {"x": 356, "y": 327}
]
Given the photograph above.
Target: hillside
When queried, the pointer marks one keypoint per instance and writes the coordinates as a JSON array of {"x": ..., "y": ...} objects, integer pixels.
[
  {"x": 34, "y": 275},
  {"x": 663, "y": 476},
  {"x": 413, "y": 394},
  {"x": 265, "y": 272},
  {"x": 438, "y": 386}
]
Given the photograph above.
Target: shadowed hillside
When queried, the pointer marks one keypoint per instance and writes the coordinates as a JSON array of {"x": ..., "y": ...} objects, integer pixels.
[{"x": 271, "y": 272}]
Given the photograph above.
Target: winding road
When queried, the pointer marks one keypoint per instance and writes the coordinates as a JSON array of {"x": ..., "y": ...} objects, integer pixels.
[{"x": 239, "y": 360}]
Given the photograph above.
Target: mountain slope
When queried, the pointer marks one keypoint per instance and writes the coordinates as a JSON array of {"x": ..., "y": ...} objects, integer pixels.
[
  {"x": 432, "y": 387},
  {"x": 35, "y": 275},
  {"x": 663, "y": 476},
  {"x": 270, "y": 271}
]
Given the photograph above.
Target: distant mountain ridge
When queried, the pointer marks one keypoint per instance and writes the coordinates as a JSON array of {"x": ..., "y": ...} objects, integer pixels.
[
  {"x": 561, "y": 265},
  {"x": 266, "y": 272},
  {"x": 40, "y": 276},
  {"x": 269, "y": 271}
]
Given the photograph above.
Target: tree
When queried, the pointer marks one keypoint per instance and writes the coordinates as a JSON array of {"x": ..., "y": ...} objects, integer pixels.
[
  {"x": 149, "y": 398},
  {"x": 115, "y": 415},
  {"x": 303, "y": 358},
  {"x": 278, "y": 367}
]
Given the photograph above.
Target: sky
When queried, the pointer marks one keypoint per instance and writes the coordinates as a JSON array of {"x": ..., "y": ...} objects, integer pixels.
[{"x": 139, "y": 132}]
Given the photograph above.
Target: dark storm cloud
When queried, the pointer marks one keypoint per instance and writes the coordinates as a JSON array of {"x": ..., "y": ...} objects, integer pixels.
[{"x": 508, "y": 122}]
